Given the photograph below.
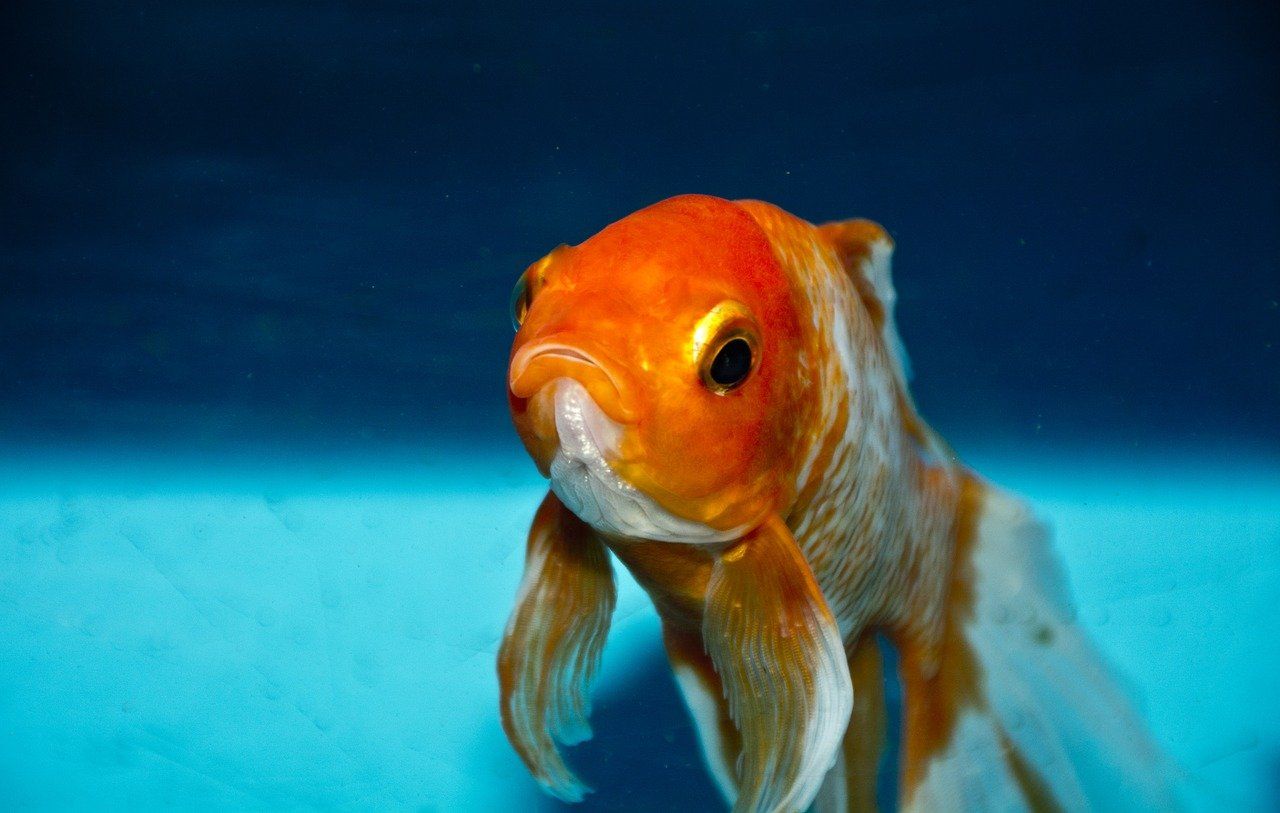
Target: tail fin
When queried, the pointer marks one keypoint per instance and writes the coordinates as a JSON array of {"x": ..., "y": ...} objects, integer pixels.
[{"x": 1014, "y": 709}]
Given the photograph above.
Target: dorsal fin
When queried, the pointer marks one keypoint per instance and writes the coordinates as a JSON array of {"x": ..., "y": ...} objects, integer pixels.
[{"x": 865, "y": 250}]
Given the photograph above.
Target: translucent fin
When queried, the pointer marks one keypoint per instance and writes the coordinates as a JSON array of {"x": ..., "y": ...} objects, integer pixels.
[
  {"x": 778, "y": 652},
  {"x": 850, "y": 786},
  {"x": 1014, "y": 709},
  {"x": 704, "y": 696},
  {"x": 553, "y": 642},
  {"x": 866, "y": 251}
]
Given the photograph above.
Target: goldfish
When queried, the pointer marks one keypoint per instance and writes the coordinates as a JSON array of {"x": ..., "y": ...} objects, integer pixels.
[{"x": 719, "y": 398}]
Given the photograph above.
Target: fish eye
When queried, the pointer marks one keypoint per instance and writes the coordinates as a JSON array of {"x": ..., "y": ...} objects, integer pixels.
[
  {"x": 725, "y": 346},
  {"x": 730, "y": 364},
  {"x": 521, "y": 299},
  {"x": 530, "y": 282}
]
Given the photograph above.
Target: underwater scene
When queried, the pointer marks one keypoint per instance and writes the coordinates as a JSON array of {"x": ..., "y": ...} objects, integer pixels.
[{"x": 499, "y": 406}]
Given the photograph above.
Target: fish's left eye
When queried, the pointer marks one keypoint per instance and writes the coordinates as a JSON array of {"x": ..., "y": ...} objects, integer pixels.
[
  {"x": 730, "y": 364},
  {"x": 726, "y": 347},
  {"x": 521, "y": 299}
]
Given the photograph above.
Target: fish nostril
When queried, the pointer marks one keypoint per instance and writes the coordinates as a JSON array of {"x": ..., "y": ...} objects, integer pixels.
[{"x": 533, "y": 367}]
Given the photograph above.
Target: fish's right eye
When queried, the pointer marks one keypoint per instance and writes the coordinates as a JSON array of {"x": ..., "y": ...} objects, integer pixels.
[
  {"x": 530, "y": 283},
  {"x": 521, "y": 299}
]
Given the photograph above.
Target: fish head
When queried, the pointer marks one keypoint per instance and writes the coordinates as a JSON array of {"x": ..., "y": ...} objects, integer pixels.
[{"x": 654, "y": 374}]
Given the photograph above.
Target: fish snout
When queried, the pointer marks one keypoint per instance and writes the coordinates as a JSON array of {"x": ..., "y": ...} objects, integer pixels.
[{"x": 535, "y": 366}]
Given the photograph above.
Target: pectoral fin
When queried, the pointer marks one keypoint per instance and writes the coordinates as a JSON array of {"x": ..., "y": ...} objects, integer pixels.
[
  {"x": 552, "y": 645},
  {"x": 779, "y": 655}
]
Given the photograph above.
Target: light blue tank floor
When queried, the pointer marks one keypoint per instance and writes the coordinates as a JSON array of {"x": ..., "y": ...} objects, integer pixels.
[{"x": 216, "y": 634}]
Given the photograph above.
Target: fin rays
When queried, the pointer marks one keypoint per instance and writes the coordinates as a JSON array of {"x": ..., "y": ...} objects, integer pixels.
[
  {"x": 552, "y": 646},
  {"x": 778, "y": 652}
]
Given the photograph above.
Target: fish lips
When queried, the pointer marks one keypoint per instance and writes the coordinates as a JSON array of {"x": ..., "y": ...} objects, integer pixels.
[{"x": 581, "y": 476}]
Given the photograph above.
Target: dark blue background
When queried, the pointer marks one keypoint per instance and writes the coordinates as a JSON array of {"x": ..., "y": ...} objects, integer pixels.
[{"x": 230, "y": 223}]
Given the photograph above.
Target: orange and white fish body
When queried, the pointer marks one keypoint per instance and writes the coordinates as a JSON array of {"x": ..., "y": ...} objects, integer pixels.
[{"x": 717, "y": 392}]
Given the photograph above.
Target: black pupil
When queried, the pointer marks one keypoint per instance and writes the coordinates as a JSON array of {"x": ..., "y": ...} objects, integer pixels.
[
  {"x": 732, "y": 363},
  {"x": 519, "y": 302}
]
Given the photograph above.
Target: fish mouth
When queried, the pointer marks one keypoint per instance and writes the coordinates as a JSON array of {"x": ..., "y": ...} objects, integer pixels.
[
  {"x": 589, "y": 487},
  {"x": 535, "y": 366},
  {"x": 565, "y": 351}
]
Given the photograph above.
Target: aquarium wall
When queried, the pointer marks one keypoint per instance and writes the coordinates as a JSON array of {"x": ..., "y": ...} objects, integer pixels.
[{"x": 262, "y": 510}]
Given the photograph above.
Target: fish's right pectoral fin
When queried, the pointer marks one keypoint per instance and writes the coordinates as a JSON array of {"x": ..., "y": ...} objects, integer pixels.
[
  {"x": 778, "y": 652},
  {"x": 552, "y": 645}
]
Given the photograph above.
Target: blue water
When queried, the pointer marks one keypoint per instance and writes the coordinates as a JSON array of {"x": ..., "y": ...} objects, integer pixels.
[
  {"x": 322, "y": 633},
  {"x": 261, "y": 510}
]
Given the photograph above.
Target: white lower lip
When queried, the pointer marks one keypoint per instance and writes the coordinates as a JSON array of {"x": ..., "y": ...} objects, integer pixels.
[{"x": 584, "y": 482}]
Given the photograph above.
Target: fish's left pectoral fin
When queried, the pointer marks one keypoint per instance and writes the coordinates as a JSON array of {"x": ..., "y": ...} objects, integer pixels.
[
  {"x": 777, "y": 650},
  {"x": 552, "y": 645}
]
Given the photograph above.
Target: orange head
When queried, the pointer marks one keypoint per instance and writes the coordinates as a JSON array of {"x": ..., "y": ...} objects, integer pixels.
[{"x": 654, "y": 373}]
